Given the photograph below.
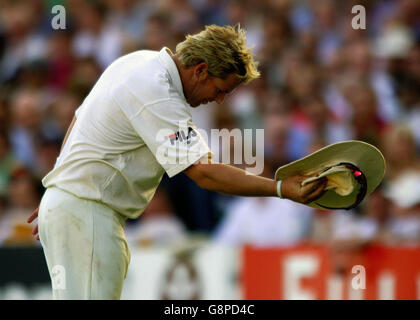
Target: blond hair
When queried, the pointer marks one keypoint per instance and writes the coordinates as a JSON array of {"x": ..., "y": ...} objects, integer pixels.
[{"x": 223, "y": 49}]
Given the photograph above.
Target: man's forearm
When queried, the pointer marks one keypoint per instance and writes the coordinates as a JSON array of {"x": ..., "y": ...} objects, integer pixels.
[{"x": 234, "y": 181}]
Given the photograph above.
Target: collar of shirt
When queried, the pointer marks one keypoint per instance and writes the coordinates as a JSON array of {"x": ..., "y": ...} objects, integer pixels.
[{"x": 166, "y": 60}]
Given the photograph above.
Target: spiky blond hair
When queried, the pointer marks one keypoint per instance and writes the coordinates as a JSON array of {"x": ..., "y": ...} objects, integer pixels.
[{"x": 223, "y": 49}]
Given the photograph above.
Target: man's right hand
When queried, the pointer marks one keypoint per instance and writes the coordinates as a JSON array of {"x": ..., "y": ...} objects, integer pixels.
[{"x": 291, "y": 188}]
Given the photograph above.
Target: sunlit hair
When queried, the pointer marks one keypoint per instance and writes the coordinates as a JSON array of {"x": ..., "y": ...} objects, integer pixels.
[{"x": 223, "y": 49}]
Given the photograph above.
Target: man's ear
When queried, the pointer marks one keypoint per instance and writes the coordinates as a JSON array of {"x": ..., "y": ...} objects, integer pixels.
[{"x": 201, "y": 71}]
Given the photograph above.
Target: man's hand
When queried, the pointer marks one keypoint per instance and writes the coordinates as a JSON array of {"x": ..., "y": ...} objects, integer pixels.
[
  {"x": 292, "y": 189},
  {"x": 33, "y": 216}
]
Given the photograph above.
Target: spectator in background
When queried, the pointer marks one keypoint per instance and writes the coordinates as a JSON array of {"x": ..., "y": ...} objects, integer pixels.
[
  {"x": 94, "y": 37},
  {"x": 33, "y": 76},
  {"x": 276, "y": 36},
  {"x": 47, "y": 153},
  {"x": 277, "y": 131},
  {"x": 154, "y": 38},
  {"x": 24, "y": 43},
  {"x": 24, "y": 193},
  {"x": 410, "y": 91},
  {"x": 4, "y": 110},
  {"x": 376, "y": 217},
  {"x": 8, "y": 164},
  {"x": 60, "y": 60},
  {"x": 400, "y": 151},
  {"x": 61, "y": 113},
  {"x": 25, "y": 133},
  {"x": 84, "y": 75},
  {"x": 404, "y": 194},
  {"x": 326, "y": 20},
  {"x": 129, "y": 17},
  {"x": 365, "y": 121},
  {"x": 314, "y": 121},
  {"x": 184, "y": 16},
  {"x": 359, "y": 64},
  {"x": 247, "y": 105}
]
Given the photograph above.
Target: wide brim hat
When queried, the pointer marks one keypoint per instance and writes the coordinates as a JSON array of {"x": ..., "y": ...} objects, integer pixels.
[{"x": 344, "y": 164}]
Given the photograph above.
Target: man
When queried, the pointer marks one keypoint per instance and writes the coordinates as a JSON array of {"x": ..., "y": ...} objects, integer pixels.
[{"x": 111, "y": 161}]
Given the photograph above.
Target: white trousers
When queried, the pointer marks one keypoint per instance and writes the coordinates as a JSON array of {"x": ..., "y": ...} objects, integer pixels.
[{"x": 84, "y": 246}]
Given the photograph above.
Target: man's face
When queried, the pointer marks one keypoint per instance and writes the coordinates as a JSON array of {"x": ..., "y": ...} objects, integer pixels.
[{"x": 205, "y": 88}]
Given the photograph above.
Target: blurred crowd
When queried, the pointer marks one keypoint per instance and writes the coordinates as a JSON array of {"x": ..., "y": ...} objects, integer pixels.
[{"x": 322, "y": 82}]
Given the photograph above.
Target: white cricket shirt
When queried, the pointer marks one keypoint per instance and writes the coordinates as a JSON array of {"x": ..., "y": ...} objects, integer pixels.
[{"x": 134, "y": 125}]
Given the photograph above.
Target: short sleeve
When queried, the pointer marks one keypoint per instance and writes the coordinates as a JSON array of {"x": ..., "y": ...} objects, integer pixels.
[{"x": 167, "y": 129}]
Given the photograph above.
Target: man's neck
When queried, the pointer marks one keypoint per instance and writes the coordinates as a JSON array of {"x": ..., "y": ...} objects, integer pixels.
[{"x": 184, "y": 74}]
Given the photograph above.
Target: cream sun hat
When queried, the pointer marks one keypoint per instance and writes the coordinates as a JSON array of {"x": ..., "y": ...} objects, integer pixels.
[{"x": 353, "y": 169}]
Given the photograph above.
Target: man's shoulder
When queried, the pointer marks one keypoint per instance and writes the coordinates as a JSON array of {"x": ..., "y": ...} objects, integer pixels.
[
  {"x": 138, "y": 54},
  {"x": 136, "y": 64},
  {"x": 141, "y": 75}
]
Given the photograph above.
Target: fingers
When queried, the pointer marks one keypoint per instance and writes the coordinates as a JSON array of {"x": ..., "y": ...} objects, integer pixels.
[
  {"x": 317, "y": 193},
  {"x": 33, "y": 216},
  {"x": 292, "y": 189},
  {"x": 314, "y": 185},
  {"x": 35, "y": 230}
]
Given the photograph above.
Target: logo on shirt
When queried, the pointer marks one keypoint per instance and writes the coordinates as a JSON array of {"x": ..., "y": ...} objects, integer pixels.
[{"x": 182, "y": 136}]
